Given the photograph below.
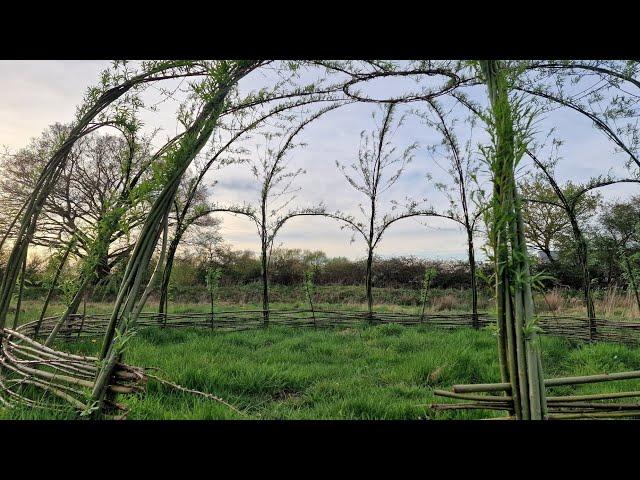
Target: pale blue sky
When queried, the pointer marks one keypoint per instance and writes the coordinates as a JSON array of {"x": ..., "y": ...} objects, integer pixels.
[{"x": 34, "y": 94}]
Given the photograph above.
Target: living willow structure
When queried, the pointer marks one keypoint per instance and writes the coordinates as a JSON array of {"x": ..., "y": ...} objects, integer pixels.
[
  {"x": 31, "y": 372},
  {"x": 522, "y": 382},
  {"x": 87, "y": 383}
]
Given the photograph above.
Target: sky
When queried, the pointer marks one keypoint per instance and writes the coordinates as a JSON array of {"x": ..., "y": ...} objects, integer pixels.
[{"x": 35, "y": 94}]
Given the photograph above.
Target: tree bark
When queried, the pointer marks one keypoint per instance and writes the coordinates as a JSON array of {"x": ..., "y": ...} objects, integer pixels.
[
  {"x": 474, "y": 280},
  {"x": 583, "y": 259},
  {"x": 369, "y": 284},
  {"x": 166, "y": 274}
]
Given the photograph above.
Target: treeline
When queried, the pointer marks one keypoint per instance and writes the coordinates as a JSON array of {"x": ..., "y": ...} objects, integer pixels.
[{"x": 288, "y": 267}]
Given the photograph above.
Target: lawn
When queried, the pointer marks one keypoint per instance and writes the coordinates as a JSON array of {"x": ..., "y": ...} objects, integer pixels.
[{"x": 368, "y": 372}]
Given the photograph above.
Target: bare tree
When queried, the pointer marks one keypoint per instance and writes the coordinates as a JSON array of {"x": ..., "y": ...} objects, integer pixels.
[
  {"x": 378, "y": 168},
  {"x": 547, "y": 225},
  {"x": 271, "y": 170},
  {"x": 100, "y": 168}
]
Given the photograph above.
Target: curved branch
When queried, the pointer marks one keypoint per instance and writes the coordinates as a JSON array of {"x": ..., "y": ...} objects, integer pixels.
[
  {"x": 591, "y": 116},
  {"x": 605, "y": 183},
  {"x": 583, "y": 66},
  {"x": 425, "y": 213}
]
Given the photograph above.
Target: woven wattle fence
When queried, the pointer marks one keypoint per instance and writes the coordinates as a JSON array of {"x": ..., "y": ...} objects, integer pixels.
[
  {"x": 31, "y": 372},
  {"x": 93, "y": 325}
]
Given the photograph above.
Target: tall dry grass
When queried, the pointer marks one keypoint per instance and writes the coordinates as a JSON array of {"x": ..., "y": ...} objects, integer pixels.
[
  {"x": 445, "y": 302},
  {"x": 616, "y": 302},
  {"x": 553, "y": 301}
]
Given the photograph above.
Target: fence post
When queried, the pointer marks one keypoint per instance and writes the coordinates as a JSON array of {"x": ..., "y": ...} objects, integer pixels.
[
  {"x": 475, "y": 320},
  {"x": 593, "y": 331},
  {"x": 84, "y": 315}
]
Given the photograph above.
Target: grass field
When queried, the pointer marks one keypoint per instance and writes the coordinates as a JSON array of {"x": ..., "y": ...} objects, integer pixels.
[{"x": 368, "y": 372}]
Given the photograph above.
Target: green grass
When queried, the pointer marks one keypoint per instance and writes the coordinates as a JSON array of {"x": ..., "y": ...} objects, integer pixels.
[{"x": 378, "y": 372}]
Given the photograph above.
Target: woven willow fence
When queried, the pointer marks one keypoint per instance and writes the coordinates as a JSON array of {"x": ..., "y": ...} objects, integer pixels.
[
  {"x": 30, "y": 371},
  {"x": 488, "y": 396},
  {"x": 94, "y": 325}
]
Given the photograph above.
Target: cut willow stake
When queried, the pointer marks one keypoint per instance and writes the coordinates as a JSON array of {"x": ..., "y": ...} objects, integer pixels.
[
  {"x": 213, "y": 282},
  {"x": 309, "y": 288},
  {"x": 429, "y": 275},
  {"x": 54, "y": 283}
]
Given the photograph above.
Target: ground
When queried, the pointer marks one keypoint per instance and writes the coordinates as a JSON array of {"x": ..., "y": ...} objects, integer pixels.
[{"x": 368, "y": 372}]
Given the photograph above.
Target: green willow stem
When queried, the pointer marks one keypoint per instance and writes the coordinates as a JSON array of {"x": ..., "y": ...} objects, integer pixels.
[
  {"x": 54, "y": 282},
  {"x": 16, "y": 318},
  {"x": 519, "y": 355}
]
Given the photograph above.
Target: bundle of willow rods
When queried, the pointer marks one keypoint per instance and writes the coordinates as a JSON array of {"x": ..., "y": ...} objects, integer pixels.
[
  {"x": 31, "y": 373},
  {"x": 599, "y": 405},
  {"x": 37, "y": 376}
]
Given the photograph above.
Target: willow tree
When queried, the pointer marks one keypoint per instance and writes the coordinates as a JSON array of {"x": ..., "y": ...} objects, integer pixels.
[
  {"x": 193, "y": 205},
  {"x": 378, "y": 168},
  {"x": 508, "y": 124},
  {"x": 376, "y": 158},
  {"x": 276, "y": 180}
]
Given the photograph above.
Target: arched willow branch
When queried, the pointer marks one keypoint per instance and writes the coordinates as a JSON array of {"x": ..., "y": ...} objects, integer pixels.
[
  {"x": 222, "y": 79},
  {"x": 598, "y": 122},
  {"x": 578, "y": 65}
]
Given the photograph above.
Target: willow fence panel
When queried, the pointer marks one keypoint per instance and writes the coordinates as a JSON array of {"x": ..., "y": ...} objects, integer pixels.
[{"x": 94, "y": 325}]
